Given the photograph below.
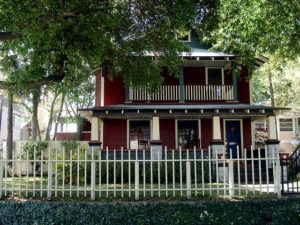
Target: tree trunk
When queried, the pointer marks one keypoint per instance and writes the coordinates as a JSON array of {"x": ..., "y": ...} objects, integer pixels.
[
  {"x": 35, "y": 105},
  {"x": 271, "y": 87},
  {"x": 50, "y": 121},
  {"x": 9, "y": 143},
  {"x": 58, "y": 116}
]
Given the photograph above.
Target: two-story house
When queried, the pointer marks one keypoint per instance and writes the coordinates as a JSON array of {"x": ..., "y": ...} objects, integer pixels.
[{"x": 205, "y": 106}]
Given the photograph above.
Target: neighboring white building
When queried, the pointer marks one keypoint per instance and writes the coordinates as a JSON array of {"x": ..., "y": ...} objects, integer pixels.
[
  {"x": 288, "y": 129},
  {"x": 19, "y": 121}
]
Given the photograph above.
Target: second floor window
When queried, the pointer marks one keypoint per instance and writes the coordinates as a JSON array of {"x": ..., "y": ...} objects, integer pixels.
[{"x": 214, "y": 76}]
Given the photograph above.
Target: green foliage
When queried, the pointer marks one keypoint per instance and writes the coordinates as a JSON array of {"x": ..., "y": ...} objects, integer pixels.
[
  {"x": 217, "y": 212},
  {"x": 29, "y": 148},
  {"x": 285, "y": 77},
  {"x": 251, "y": 28}
]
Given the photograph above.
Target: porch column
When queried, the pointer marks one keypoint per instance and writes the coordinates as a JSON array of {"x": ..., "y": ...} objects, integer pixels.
[
  {"x": 156, "y": 144},
  {"x": 272, "y": 143},
  {"x": 181, "y": 85},
  {"x": 95, "y": 134},
  {"x": 235, "y": 94},
  {"x": 127, "y": 95},
  {"x": 217, "y": 144}
]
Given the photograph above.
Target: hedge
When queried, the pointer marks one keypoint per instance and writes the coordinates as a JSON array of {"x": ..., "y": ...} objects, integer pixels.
[{"x": 218, "y": 212}]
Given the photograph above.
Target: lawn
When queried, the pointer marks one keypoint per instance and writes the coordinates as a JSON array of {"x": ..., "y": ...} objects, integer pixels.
[{"x": 83, "y": 193}]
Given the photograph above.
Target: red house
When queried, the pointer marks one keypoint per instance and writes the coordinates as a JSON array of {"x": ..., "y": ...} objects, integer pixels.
[{"x": 205, "y": 106}]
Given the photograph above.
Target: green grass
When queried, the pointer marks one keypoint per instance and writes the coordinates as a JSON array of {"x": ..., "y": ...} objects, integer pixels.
[{"x": 84, "y": 194}]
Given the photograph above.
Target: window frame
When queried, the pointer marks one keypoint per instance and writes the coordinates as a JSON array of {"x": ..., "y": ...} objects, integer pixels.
[
  {"x": 206, "y": 74},
  {"x": 292, "y": 122}
]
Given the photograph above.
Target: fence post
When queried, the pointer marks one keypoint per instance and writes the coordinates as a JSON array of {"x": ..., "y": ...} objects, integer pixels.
[
  {"x": 1, "y": 177},
  {"x": 231, "y": 177},
  {"x": 93, "y": 167},
  {"x": 136, "y": 175},
  {"x": 49, "y": 193},
  {"x": 278, "y": 176},
  {"x": 188, "y": 180}
]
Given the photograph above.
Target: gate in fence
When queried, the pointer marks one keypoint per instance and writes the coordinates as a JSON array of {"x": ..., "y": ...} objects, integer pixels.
[
  {"x": 290, "y": 173},
  {"x": 96, "y": 174}
]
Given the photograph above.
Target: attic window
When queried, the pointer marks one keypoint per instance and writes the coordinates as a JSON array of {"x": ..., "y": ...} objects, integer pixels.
[{"x": 185, "y": 38}]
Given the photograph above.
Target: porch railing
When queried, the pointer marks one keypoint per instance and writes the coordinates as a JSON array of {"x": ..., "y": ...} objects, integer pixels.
[
  {"x": 122, "y": 173},
  {"x": 192, "y": 93}
]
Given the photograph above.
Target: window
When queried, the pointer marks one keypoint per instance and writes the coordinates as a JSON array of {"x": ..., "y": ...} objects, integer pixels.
[
  {"x": 185, "y": 38},
  {"x": 298, "y": 124},
  {"x": 188, "y": 134},
  {"x": 214, "y": 76},
  {"x": 16, "y": 122},
  {"x": 286, "y": 124},
  {"x": 139, "y": 134},
  {"x": 260, "y": 125},
  {"x": 67, "y": 128}
]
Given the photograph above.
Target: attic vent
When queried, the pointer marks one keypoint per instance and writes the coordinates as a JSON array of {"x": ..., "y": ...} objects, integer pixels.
[{"x": 185, "y": 38}]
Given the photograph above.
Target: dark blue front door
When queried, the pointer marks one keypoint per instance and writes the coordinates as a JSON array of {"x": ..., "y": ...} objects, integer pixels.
[{"x": 233, "y": 137}]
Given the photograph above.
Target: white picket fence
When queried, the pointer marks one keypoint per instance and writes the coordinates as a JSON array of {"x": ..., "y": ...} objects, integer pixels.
[{"x": 122, "y": 173}]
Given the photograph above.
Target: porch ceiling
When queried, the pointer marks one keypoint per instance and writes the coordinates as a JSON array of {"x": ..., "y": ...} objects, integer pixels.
[{"x": 182, "y": 110}]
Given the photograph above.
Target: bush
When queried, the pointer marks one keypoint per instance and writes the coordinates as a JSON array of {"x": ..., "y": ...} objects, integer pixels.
[
  {"x": 30, "y": 147},
  {"x": 220, "y": 212}
]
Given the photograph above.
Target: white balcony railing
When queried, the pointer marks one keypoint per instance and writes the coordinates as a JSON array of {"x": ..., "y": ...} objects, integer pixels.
[{"x": 191, "y": 93}]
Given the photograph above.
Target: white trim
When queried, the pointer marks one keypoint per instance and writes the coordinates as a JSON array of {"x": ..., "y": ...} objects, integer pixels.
[
  {"x": 241, "y": 133},
  {"x": 102, "y": 90},
  {"x": 206, "y": 73},
  {"x": 101, "y": 124},
  {"x": 128, "y": 129}
]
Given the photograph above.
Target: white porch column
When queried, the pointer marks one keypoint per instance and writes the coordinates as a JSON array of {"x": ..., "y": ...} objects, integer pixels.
[
  {"x": 272, "y": 143},
  {"x": 272, "y": 129},
  {"x": 156, "y": 144},
  {"x": 216, "y": 128},
  {"x": 95, "y": 129},
  {"x": 217, "y": 145},
  {"x": 155, "y": 128}
]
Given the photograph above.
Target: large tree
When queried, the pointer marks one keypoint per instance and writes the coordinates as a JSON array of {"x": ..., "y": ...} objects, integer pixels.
[{"x": 69, "y": 36}]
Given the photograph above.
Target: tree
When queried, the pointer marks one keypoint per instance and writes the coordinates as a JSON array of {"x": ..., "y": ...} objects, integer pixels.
[
  {"x": 70, "y": 36},
  {"x": 285, "y": 82},
  {"x": 250, "y": 28}
]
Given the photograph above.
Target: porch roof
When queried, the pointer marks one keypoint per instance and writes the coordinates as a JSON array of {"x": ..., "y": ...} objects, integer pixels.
[{"x": 183, "y": 109}]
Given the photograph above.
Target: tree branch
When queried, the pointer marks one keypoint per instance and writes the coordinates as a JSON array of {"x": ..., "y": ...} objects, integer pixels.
[{"x": 6, "y": 36}]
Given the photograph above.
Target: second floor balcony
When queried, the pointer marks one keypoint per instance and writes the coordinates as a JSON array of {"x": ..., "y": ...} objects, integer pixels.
[{"x": 187, "y": 93}]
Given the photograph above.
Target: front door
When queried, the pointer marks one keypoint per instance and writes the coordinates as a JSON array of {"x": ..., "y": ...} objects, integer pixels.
[{"x": 233, "y": 137}]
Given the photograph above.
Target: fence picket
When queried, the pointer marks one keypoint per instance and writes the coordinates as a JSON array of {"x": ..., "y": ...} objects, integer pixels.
[{"x": 184, "y": 172}]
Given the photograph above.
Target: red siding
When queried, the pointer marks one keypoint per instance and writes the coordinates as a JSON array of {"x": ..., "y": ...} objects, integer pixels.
[
  {"x": 114, "y": 91},
  {"x": 86, "y": 137},
  {"x": 194, "y": 75},
  {"x": 66, "y": 136},
  {"x": 114, "y": 133},
  {"x": 169, "y": 79},
  {"x": 206, "y": 132},
  {"x": 167, "y": 133},
  {"x": 247, "y": 133},
  {"x": 243, "y": 87},
  {"x": 227, "y": 77},
  {"x": 98, "y": 88}
]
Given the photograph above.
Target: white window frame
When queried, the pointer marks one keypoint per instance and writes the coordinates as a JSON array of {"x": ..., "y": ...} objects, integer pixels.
[
  {"x": 128, "y": 129},
  {"x": 293, "y": 125},
  {"x": 206, "y": 73},
  {"x": 176, "y": 131}
]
